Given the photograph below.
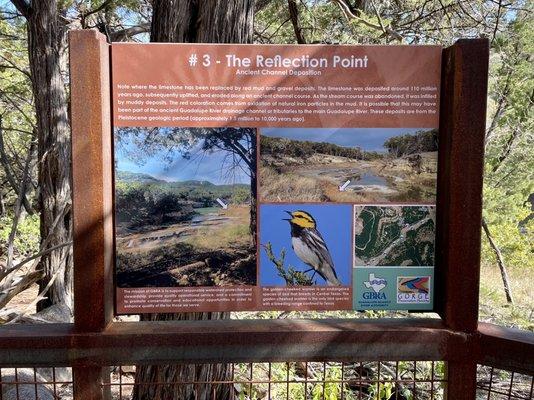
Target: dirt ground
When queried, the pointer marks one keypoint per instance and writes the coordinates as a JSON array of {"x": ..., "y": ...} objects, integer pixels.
[{"x": 213, "y": 249}]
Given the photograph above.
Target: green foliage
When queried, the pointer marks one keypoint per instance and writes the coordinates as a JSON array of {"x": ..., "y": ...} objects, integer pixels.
[
  {"x": 419, "y": 142},
  {"x": 241, "y": 195},
  {"x": 412, "y": 21},
  {"x": 330, "y": 389},
  {"x": 142, "y": 199},
  {"x": 509, "y": 166},
  {"x": 277, "y": 147},
  {"x": 139, "y": 204},
  {"x": 504, "y": 211},
  {"x": 27, "y": 238},
  {"x": 16, "y": 127},
  {"x": 382, "y": 391},
  {"x": 321, "y": 22},
  {"x": 281, "y": 372}
]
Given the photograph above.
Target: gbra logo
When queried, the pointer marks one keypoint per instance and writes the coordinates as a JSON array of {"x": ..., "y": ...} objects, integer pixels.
[
  {"x": 413, "y": 289},
  {"x": 377, "y": 284}
]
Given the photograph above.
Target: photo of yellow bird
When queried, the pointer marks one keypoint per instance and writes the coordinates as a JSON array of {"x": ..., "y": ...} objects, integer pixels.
[{"x": 310, "y": 247}]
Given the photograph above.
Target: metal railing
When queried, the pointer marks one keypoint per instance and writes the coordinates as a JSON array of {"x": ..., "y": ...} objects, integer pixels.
[{"x": 423, "y": 380}]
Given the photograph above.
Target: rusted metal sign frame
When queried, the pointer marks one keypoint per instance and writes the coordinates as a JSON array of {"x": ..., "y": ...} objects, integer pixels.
[
  {"x": 94, "y": 341},
  {"x": 464, "y": 87},
  {"x": 459, "y": 197}
]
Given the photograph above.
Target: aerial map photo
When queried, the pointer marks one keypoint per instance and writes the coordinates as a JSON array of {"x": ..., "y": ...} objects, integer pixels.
[{"x": 394, "y": 235}]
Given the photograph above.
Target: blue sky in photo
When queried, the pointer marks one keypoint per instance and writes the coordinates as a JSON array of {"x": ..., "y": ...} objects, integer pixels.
[
  {"x": 202, "y": 166},
  {"x": 334, "y": 224},
  {"x": 369, "y": 139}
]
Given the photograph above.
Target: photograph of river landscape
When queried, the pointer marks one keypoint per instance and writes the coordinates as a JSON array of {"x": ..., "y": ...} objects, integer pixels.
[
  {"x": 185, "y": 207},
  {"x": 360, "y": 165}
]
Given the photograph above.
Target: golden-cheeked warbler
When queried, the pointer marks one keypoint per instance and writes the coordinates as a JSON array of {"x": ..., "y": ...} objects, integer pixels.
[{"x": 310, "y": 246}]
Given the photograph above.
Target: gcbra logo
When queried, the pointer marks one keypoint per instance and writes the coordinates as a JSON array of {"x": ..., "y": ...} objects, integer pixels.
[
  {"x": 413, "y": 289},
  {"x": 377, "y": 284}
]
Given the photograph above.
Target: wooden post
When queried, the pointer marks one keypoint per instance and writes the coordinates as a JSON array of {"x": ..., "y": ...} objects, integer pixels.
[
  {"x": 92, "y": 182},
  {"x": 459, "y": 200}
]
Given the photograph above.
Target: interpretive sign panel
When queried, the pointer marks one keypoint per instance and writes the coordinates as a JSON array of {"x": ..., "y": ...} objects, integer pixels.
[{"x": 254, "y": 177}]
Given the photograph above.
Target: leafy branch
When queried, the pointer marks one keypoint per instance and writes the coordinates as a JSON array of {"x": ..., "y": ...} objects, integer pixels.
[{"x": 289, "y": 274}]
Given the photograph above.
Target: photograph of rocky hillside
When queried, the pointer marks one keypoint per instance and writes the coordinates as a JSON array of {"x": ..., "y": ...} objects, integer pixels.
[{"x": 184, "y": 214}]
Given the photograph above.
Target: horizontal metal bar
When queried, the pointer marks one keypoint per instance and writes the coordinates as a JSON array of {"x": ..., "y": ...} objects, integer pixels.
[
  {"x": 231, "y": 341},
  {"x": 506, "y": 348},
  {"x": 127, "y": 343}
]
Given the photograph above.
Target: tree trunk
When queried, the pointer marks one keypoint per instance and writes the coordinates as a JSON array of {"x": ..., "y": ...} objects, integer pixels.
[
  {"x": 11, "y": 177},
  {"x": 173, "y": 374},
  {"x": 294, "y": 16},
  {"x": 208, "y": 21},
  {"x": 2, "y": 206},
  {"x": 500, "y": 262},
  {"x": 46, "y": 37},
  {"x": 254, "y": 201}
]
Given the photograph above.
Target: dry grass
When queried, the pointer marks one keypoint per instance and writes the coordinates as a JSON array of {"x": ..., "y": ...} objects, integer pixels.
[
  {"x": 332, "y": 193},
  {"x": 316, "y": 179},
  {"x": 288, "y": 187},
  {"x": 493, "y": 305},
  {"x": 235, "y": 233}
]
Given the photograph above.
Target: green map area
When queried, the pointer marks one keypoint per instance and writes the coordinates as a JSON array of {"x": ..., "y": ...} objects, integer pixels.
[{"x": 394, "y": 235}]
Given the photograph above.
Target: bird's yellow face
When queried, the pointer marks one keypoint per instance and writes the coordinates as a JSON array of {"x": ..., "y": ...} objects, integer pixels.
[{"x": 302, "y": 219}]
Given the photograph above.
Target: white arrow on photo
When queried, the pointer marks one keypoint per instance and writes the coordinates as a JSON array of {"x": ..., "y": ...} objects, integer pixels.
[
  {"x": 222, "y": 203},
  {"x": 344, "y": 186}
]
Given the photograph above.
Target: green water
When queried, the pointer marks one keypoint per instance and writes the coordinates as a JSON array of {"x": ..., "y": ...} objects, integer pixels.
[{"x": 207, "y": 210}]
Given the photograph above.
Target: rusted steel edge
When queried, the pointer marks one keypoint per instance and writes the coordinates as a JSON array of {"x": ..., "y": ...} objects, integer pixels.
[
  {"x": 92, "y": 180},
  {"x": 506, "y": 348},
  {"x": 460, "y": 171},
  {"x": 233, "y": 341},
  {"x": 264, "y": 341},
  {"x": 459, "y": 200}
]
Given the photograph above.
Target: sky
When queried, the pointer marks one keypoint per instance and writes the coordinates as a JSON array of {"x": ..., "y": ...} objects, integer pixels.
[
  {"x": 202, "y": 166},
  {"x": 334, "y": 224},
  {"x": 369, "y": 139}
]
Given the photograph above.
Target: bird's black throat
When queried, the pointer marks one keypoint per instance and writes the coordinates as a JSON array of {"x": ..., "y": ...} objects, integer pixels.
[{"x": 296, "y": 230}]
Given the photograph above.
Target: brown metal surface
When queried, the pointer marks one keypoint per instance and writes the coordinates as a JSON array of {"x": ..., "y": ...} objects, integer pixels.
[
  {"x": 506, "y": 348},
  {"x": 460, "y": 170},
  {"x": 461, "y": 378},
  {"x": 232, "y": 340},
  {"x": 265, "y": 340},
  {"x": 92, "y": 176},
  {"x": 92, "y": 180}
]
